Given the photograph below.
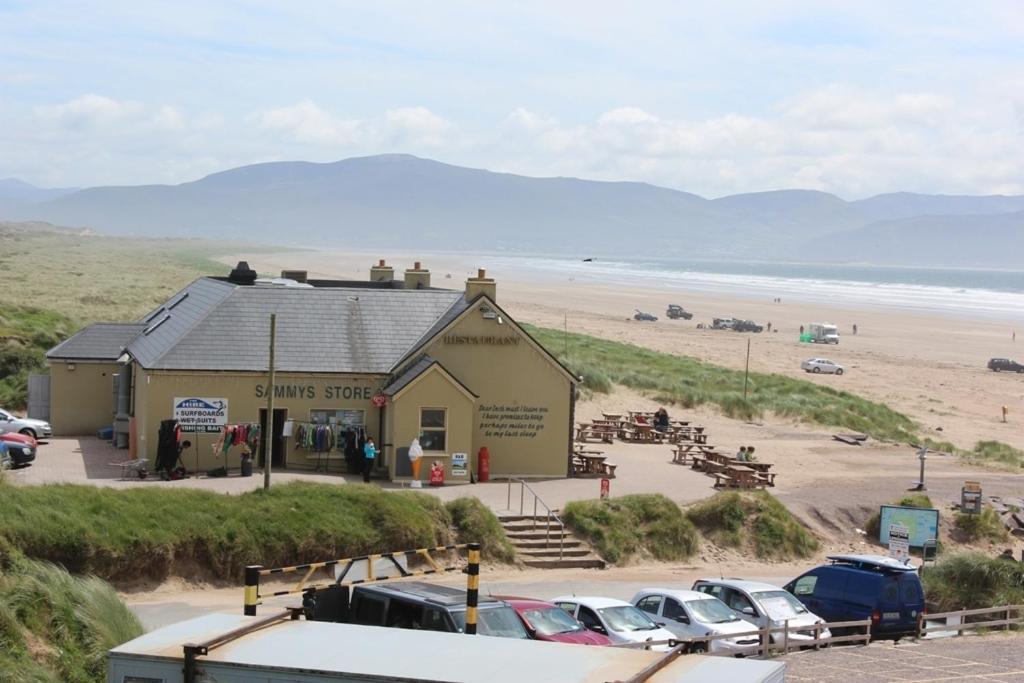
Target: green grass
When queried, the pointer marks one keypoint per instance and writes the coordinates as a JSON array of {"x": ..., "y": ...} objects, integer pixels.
[
  {"x": 687, "y": 382},
  {"x": 912, "y": 500},
  {"x": 151, "y": 533},
  {"x": 986, "y": 526},
  {"x": 633, "y": 527},
  {"x": 475, "y": 523},
  {"x": 995, "y": 453},
  {"x": 973, "y": 580},
  {"x": 753, "y": 521},
  {"x": 55, "y": 627}
]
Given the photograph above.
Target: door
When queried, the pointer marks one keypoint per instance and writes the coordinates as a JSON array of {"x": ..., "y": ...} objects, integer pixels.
[
  {"x": 280, "y": 417},
  {"x": 677, "y": 619},
  {"x": 589, "y": 619},
  {"x": 39, "y": 397}
]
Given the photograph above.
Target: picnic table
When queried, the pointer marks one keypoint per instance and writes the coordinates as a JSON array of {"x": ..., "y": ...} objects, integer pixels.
[
  {"x": 595, "y": 431},
  {"x": 593, "y": 464},
  {"x": 614, "y": 417}
]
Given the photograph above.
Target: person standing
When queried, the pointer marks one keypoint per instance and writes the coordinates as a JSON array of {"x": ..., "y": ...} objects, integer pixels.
[{"x": 369, "y": 456}]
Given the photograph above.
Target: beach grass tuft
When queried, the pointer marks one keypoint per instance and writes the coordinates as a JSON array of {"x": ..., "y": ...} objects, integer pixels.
[
  {"x": 973, "y": 580},
  {"x": 985, "y": 526},
  {"x": 755, "y": 521},
  {"x": 633, "y": 527},
  {"x": 688, "y": 383},
  {"x": 474, "y": 522}
]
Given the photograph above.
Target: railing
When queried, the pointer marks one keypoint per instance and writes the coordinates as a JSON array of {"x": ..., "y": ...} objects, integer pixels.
[
  {"x": 1006, "y": 622},
  {"x": 766, "y": 645},
  {"x": 550, "y": 516}
]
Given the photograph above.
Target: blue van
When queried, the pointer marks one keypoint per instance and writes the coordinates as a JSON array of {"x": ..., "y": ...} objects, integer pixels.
[{"x": 856, "y": 587}]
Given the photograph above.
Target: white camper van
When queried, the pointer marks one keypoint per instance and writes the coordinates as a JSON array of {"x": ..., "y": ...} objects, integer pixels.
[{"x": 824, "y": 333}]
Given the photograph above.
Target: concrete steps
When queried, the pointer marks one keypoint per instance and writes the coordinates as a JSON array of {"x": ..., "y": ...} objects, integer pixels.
[{"x": 539, "y": 547}]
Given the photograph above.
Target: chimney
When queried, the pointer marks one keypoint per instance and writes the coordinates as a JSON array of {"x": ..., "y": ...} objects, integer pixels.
[
  {"x": 481, "y": 284},
  {"x": 382, "y": 272},
  {"x": 242, "y": 274},
  {"x": 417, "y": 277},
  {"x": 297, "y": 275}
]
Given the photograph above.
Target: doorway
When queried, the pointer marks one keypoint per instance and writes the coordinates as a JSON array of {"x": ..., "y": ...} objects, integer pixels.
[{"x": 280, "y": 416}]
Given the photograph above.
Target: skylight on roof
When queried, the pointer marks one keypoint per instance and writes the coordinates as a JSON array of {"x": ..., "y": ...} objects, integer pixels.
[{"x": 157, "y": 324}]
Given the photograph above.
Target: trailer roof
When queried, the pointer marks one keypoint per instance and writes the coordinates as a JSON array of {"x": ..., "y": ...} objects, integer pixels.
[{"x": 407, "y": 655}]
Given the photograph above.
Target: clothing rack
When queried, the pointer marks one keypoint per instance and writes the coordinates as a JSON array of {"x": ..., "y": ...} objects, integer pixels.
[{"x": 321, "y": 439}]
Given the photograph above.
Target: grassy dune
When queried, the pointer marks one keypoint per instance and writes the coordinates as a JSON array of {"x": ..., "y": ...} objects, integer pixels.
[
  {"x": 687, "y": 382},
  {"x": 633, "y": 527},
  {"x": 753, "y": 521}
]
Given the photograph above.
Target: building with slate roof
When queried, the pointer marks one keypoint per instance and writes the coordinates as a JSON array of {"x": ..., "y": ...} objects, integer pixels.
[{"x": 387, "y": 358}]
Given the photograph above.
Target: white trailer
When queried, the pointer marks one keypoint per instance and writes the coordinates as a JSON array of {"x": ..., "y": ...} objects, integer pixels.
[
  {"x": 224, "y": 648},
  {"x": 824, "y": 333}
]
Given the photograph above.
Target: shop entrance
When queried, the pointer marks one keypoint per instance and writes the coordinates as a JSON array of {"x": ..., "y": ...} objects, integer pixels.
[{"x": 280, "y": 416}]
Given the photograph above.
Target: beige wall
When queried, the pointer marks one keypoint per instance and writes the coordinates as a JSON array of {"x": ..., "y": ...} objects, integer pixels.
[
  {"x": 81, "y": 400},
  {"x": 155, "y": 392},
  {"x": 432, "y": 390},
  {"x": 523, "y": 410}
]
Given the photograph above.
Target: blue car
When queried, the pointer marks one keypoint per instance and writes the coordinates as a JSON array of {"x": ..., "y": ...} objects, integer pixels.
[{"x": 857, "y": 587}]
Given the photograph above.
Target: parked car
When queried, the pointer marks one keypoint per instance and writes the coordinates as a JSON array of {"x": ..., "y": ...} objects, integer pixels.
[
  {"x": 37, "y": 429},
  {"x": 619, "y": 620},
  {"x": 747, "y": 326},
  {"x": 421, "y": 605},
  {"x": 690, "y": 614},
  {"x": 640, "y": 315},
  {"x": 723, "y": 323},
  {"x": 547, "y": 621},
  {"x": 1004, "y": 365},
  {"x": 675, "y": 312},
  {"x": 763, "y": 604},
  {"x": 822, "y": 365},
  {"x": 21, "y": 448},
  {"x": 856, "y": 587}
]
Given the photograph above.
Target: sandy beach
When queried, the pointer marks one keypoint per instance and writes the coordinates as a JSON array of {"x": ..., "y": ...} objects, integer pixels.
[{"x": 930, "y": 367}]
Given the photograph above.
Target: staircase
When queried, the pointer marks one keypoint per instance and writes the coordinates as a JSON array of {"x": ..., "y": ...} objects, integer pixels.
[{"x": 543, "y": 547}]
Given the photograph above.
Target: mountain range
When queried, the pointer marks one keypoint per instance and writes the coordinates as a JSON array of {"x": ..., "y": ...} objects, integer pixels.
[{"x": 397, "y": 199}]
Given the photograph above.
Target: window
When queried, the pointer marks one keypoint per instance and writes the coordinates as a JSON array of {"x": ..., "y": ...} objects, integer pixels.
[
  {"x": 805, "y": 585},
  {"x": 650, "y": 604},
  {"x": 344, "y": 418},
  {"x": 710, "y": 589},
  {"x": 369, "y": 611},
  {"x": 740, "y": 602},
  {"x": 433, "y": 429},
  {"x": 589, "y": 619},
  {"x": 674, "y": 611},
  {"x": 568, "y": 607},
  {"x": 433, "y": 620}
]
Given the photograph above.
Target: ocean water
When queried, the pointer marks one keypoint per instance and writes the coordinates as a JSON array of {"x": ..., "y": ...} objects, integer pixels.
[{"x": 994, "y": 294}]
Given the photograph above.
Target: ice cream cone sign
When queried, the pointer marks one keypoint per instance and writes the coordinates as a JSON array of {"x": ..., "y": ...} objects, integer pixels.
[{"x": 415, "y": 456}]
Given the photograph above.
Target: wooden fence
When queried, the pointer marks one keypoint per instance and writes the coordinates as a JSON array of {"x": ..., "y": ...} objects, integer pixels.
[{"x": 1007, "y": 613}]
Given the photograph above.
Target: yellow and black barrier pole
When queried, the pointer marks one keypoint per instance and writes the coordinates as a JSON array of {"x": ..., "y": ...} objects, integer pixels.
[
  {"x": 472, "y": 587},
  {"x": 252, "y": 589}
]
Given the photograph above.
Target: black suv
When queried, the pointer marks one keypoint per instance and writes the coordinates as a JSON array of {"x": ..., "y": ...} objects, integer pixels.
[
  {"x": 747, "y": 326},
  {"x": 420, "y": 605},
  {"x": 675, "y": 312},
  {"x": 1005, "y": 365}
]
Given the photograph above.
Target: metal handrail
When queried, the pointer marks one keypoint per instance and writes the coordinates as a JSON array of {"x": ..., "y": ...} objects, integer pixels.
[{"x": 523, "y": 487}]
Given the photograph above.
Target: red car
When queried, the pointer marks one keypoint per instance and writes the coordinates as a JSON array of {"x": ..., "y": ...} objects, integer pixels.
[
  {"x": 547, "y": 621},
  {"x": 21, "y": 448}
]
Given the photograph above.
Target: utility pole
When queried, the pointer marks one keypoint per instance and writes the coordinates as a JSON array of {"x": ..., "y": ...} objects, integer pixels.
[
  {"x": 746, "y": 371},
  {"x": 268, "y": 437}
]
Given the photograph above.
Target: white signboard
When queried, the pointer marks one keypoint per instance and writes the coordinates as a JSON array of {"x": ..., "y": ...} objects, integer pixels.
[
  {"x": 899, "y": 542},
  {"x": 459, "y": 464},
  {"x": 201, "y": 414}
]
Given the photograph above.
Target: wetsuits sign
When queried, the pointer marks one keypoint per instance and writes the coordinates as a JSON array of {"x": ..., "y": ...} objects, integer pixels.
[{"x": 201, "y": 414}]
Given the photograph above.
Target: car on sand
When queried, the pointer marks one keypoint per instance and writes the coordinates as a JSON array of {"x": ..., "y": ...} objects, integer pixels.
[
  {"x": 617, "y": 619},
  {"x": 644, "y": 317},
  {"x": 822, "y": 366},
  {"x": 692, "y": 614},
  {"x": 1004, "y": 365}
]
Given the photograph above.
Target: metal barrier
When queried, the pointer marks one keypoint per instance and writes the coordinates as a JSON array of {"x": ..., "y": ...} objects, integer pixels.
[
  {"x": 253, "y": 573},
  {"x": 1006, "y": 622},
  {"x": 549, "y": 519}
]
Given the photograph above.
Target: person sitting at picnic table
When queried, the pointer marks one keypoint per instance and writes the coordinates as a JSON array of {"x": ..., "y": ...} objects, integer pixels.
[
  {"x": 750, "y": 454},
  {"x": 661, "y": 420},
  {"x": 742, "y": 455}
]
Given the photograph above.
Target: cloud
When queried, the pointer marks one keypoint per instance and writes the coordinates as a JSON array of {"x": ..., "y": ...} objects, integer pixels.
[
  {"x": 89, "y": 111},
  {"x": 309, "y": 124}
]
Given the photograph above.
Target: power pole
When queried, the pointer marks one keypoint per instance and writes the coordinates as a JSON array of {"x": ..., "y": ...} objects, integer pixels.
[
  {"x": 268, "y": 437},
  {"x": 746, "y": 371}
]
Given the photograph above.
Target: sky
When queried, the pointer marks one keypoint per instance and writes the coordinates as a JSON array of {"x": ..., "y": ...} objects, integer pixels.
[{"x": 854, "y": 98}]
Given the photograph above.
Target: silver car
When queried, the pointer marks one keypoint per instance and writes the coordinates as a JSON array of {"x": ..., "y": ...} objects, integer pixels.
[
  {"x": 821, "y": 365},
  {"x": 765, "y": 605},
  {"x": 37, "y": 429}
]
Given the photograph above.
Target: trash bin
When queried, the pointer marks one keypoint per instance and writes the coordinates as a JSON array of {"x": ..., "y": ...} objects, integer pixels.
[{"x": 246, "y": 466}]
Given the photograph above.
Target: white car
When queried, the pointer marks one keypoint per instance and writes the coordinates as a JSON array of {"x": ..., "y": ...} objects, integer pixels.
[
  {"x": 763, "y": 604},
  {"x": 691, "y": 614},
  {"x": 617, "y": 619},
  {"x": 37, "y": 429},
  {"x": 824, "y": 365}
]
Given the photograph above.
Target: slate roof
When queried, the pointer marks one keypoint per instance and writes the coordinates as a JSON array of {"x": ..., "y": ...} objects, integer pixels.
[
  {"x": 99, "y": 341},
  {"x": 217, "y": 325}
]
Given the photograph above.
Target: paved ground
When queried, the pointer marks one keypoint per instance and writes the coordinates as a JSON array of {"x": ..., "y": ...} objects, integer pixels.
[{"x": 993, "y": 658}]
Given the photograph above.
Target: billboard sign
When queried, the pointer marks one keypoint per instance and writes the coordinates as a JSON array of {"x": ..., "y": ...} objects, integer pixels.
[
  {"x": 922, "y": 524},
  {"x": 204, "y": 415}
]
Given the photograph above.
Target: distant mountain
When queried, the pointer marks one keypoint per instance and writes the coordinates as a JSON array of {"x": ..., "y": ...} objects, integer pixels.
[
  {"x": 397, "y": 199},
  {"x": 12, "y": 189}
]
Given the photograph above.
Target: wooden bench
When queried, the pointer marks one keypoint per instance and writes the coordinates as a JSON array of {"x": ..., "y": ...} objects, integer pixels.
[
  {"x": 609, "y": 468},
  {"x": 723, "y": 480}
]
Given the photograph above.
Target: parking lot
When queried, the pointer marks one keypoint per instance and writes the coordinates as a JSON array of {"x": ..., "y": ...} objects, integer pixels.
[{"x": 993, "y": 658}]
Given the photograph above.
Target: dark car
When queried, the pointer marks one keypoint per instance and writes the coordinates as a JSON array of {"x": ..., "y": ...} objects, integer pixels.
[
  {"x": 747, "y": 326},
  {"x": 548, "y": 621},
  {"x": 676, "y": 312},
  {"x": 640, "y": 315},
  {"x": 20, "y": 447},
  {"x": 420, "y": 605},
  {"x": 857, "y": 587},
  {"x": 1005, "y": 365}
]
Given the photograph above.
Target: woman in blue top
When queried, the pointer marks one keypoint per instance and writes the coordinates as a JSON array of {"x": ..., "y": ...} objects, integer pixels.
[{"x": 369, "y": 455}]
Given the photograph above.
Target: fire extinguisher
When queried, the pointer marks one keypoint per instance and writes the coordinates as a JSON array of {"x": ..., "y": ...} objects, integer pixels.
[{"x": 483, "y": 464}]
